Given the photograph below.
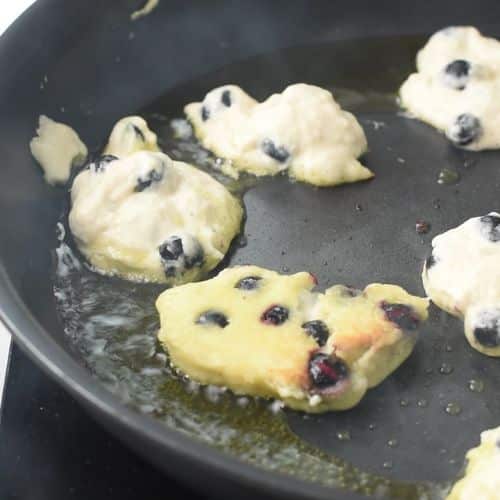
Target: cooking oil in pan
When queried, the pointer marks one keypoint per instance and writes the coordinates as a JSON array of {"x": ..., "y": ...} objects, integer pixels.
[{"x": 112, "y": 324}]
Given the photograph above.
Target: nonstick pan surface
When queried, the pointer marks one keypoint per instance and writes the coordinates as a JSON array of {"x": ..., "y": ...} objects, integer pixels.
[{"x": 88, "y": 65}]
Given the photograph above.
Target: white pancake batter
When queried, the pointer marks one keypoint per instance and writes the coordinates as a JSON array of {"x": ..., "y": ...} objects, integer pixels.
[
  {"x": 129, "y": 135},
  {"x": 481, "y": 480},
  {"x": 302, "y": 131},
  {"x": 57, "y": 148},
  {"x": 265, "y": 334},
  {"x": 147, "y": 218},
  {"x": 462, "y": 276},
  {"x": 457, "y": 87}
]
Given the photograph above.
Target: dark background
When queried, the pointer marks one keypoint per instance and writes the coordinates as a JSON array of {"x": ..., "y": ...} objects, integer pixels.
[{"x": 50, "y": 449}]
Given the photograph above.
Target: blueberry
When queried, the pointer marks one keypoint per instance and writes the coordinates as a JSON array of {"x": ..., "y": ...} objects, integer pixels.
[
  {"x": 177, "y": 254},
  {"x": 280, "y": 154},
  {"x": 430, "y": 261},
  {"x": 100, "y": 165},
  {"x": 317, "y": 330},
  {"x": 326, "y": 371},
  {"x": 248, "y": 283},
  {"x": 139, "y": 133},
  {"x": 466, "y": 129},
  {"x": 490, "y": 227},
  {"x": 487, "y": 329},
  {"x": 275, "y": 315},
  {"x": 172, "y": 249},
  {"x": 457, "y": 74},
  {"x": 400, "y": 314},
  {"x": 172, "y": 255},
  {"x": 205, "y": 113},
  {"x": 213, "y": 318},
  {"x": 226, "y": 98}
]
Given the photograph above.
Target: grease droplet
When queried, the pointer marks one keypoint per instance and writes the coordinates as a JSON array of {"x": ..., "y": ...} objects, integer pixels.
[
  {"x": 393, "y": 443},
  {"x": 453, "y": 409},
  {"x": 445, "y": 369},
  {"x": 343, "y": 436},
  {"x": 476, "y": 385},
  {"x": 388, "y": 464},
  {"x": 404, "y": 403},
  {"x": 422, "y": 403},
  {"x": 448, "y": 176}
]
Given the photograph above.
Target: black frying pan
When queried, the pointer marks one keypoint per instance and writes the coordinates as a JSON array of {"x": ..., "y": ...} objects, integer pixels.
[{"x": 78, "y": 62}]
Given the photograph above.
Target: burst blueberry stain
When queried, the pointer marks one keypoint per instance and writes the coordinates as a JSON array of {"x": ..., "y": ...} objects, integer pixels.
[
  {"x": 430, "y": 261},
  {"x": 490, "y": 227},
  {"x": 457, "y": 74},
  {"x": 318, "y": 330},
  {"x": 275, "y": 315},
  {"x": 213, "y": 318},
  {"x": 349, "y": 291},
  {"x": 100, "y": 165},
  {"x": 226, "y": 98},
  {"x": 278, "y": 153},
  {"x": 205, "y": 113},
  {"x": 401, "y": 315},
  {"x": 152, "y": 177},
  {"x": 196, "y": 256},
  {"x": 139, "y": 133},
  {"x": 326, "y": 371},
  {"x": 465, "y": 130},
  {"x": 248, "y": 283}
]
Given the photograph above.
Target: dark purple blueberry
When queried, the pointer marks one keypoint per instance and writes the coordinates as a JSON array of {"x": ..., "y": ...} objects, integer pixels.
[
  {"x": 226, "y": 98},
  {"x": 178, "y": 255},
  {"x": 139, "y": 133},
  {"x": 248, "y": 283},
  {"x": 430, "y": 261},
  {"x": 172, "y": 249},
  {"x": 490, "y": 227},
  {"x": 101, "y": 163},
  {"x": 152, "y": 177},
  {"x": 457, "y": 74},
  {"x": 205, "y": 113},
  {"x": 466, "y": 129},
  {"x": 400, "y": 314},
  {"x": 213, "y": 318},
  {"x": 487, "y": 329},
  {"x": 275, "y": 315},
  {"x": 318, "y": 330},
  {"x": 278, "y": 153},
  {"x": 326, "y": 371}
]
